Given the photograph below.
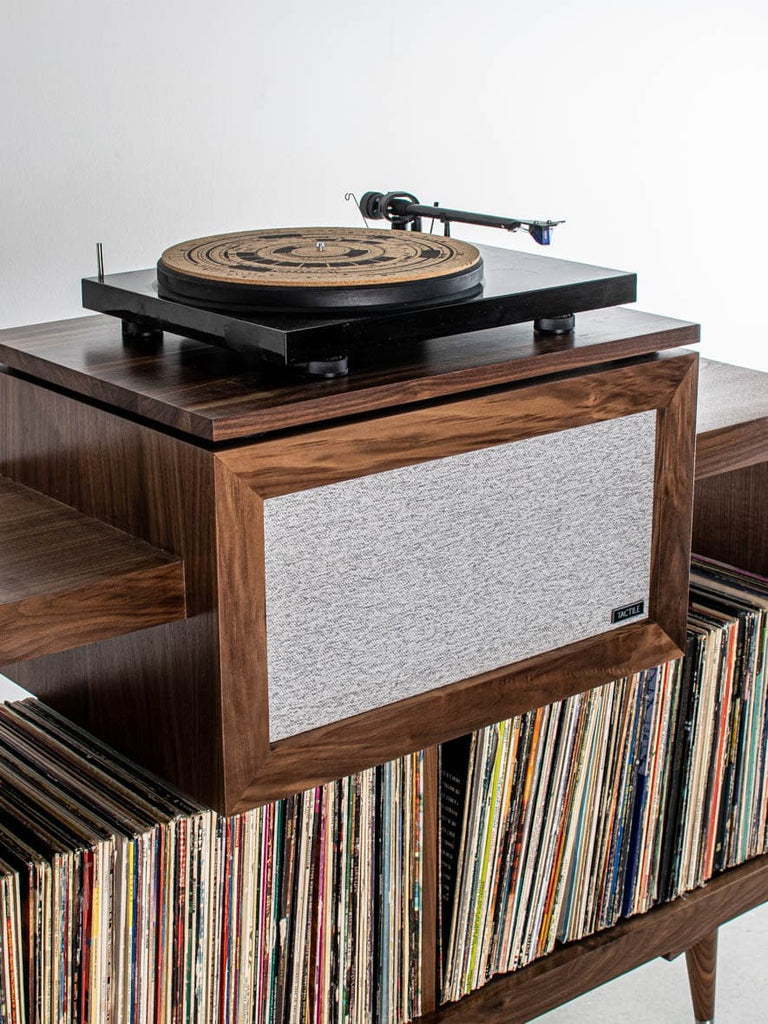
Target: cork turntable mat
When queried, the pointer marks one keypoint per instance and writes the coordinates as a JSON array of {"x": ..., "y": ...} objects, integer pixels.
[{"x": 320, "y": 257}]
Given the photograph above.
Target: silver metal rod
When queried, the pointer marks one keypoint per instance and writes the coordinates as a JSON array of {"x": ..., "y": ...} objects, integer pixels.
[{"x": 99, "y": 261}]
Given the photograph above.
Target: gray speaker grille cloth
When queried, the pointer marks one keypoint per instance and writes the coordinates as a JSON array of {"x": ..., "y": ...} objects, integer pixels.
[{"x": 389, "y": 585}]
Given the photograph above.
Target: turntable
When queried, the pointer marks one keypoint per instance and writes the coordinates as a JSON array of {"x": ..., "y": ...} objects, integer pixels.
[{"x": 308, "y": 299}]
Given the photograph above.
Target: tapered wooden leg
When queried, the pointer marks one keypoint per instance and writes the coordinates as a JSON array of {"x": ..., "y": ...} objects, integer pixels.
[{"x": 701, "y": 960}]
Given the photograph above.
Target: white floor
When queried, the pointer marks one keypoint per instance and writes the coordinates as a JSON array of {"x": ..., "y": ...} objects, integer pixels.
[
  {"x": 658, "y": 992},
  {"x": 10, "y": 691}
]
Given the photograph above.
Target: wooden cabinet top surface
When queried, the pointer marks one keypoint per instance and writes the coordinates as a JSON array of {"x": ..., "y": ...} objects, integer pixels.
[{"x": 205, "y": 393}]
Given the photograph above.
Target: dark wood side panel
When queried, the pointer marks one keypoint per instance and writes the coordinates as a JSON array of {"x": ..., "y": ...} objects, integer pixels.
[
  {"x": 582, "y": 966},
  {"x": 242, "y": 630},
  {"x": 673, "y": 508},
  {"x": 152, "y": 694},
  {"x": 730, "y": 520},
  {"x": 67, "y": 579}
]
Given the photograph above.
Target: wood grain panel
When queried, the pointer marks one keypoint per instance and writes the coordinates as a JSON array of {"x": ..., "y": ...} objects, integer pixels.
[
  {"x": 730, "y": 521},
  {"x": 732, "y": 420},
  {"x": 701, "y": 961},
  {"x": 324, "y": 456},
  {"x": 68, "y": 580},
  {"x": 242, "y": 630},
  {"x": 103, "y": 608},
  {"x": 673, "y": 508},
  {"x": 733, "y": 447},
  {"x": 374, "y": 737},
  {"x": 207, "y": 392},
  {"x": 153, "y": 694},
  {"x": 582, "y": 966}
]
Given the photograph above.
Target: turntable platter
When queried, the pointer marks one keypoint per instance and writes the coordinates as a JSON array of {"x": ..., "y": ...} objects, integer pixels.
[{"x": 319, "y": 268}]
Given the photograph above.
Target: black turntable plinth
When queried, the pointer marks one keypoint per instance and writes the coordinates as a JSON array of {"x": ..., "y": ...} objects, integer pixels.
[{"x": 496, "y": 288}]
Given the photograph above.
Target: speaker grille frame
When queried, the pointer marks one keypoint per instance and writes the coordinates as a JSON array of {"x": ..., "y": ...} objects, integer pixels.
[
  {"x": 389, "y": 585},
  {"x": 249, "y": 476}
]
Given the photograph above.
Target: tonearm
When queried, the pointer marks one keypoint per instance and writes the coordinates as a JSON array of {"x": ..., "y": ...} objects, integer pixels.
[{"x": 404, "y": 211}]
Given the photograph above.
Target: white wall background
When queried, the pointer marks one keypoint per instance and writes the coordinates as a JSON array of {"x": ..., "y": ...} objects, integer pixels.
[{"x": 140, "y": 124}]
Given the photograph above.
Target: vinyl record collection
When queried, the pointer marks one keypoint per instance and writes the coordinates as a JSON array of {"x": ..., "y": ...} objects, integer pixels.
[
  {"x": 124, "y": 902},
  {"x": 558, "y": 822}
]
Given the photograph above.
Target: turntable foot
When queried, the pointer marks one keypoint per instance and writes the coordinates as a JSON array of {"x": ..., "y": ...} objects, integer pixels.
[
  {"x": 562, "y": 324},
  {"x": 327, "y": 368},
  {"x": 137, "y": 335}
]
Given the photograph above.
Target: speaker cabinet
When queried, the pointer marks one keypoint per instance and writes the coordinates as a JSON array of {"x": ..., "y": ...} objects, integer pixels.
[
  {"x": 361, "y": 587},
  {"x": 424, "y": 572}
]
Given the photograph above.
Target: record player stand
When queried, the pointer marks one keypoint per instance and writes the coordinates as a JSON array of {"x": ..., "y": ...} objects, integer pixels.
[
  {"x": 68, "y": 450},
  {"x": 730, "y": 524}
]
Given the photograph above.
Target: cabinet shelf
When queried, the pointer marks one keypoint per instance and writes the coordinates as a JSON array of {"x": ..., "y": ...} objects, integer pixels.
[
  {"x": 159, "y": 443},
  {"x": 67, "y": 579},
  {"x": 667, "y": 930},
  {"x": 732, "y": 420}
]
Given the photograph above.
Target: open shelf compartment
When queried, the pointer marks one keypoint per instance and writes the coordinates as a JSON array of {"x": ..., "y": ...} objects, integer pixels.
[
  {"x": 667, "y": 930},
  {"x": 67, "y": 579}
]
